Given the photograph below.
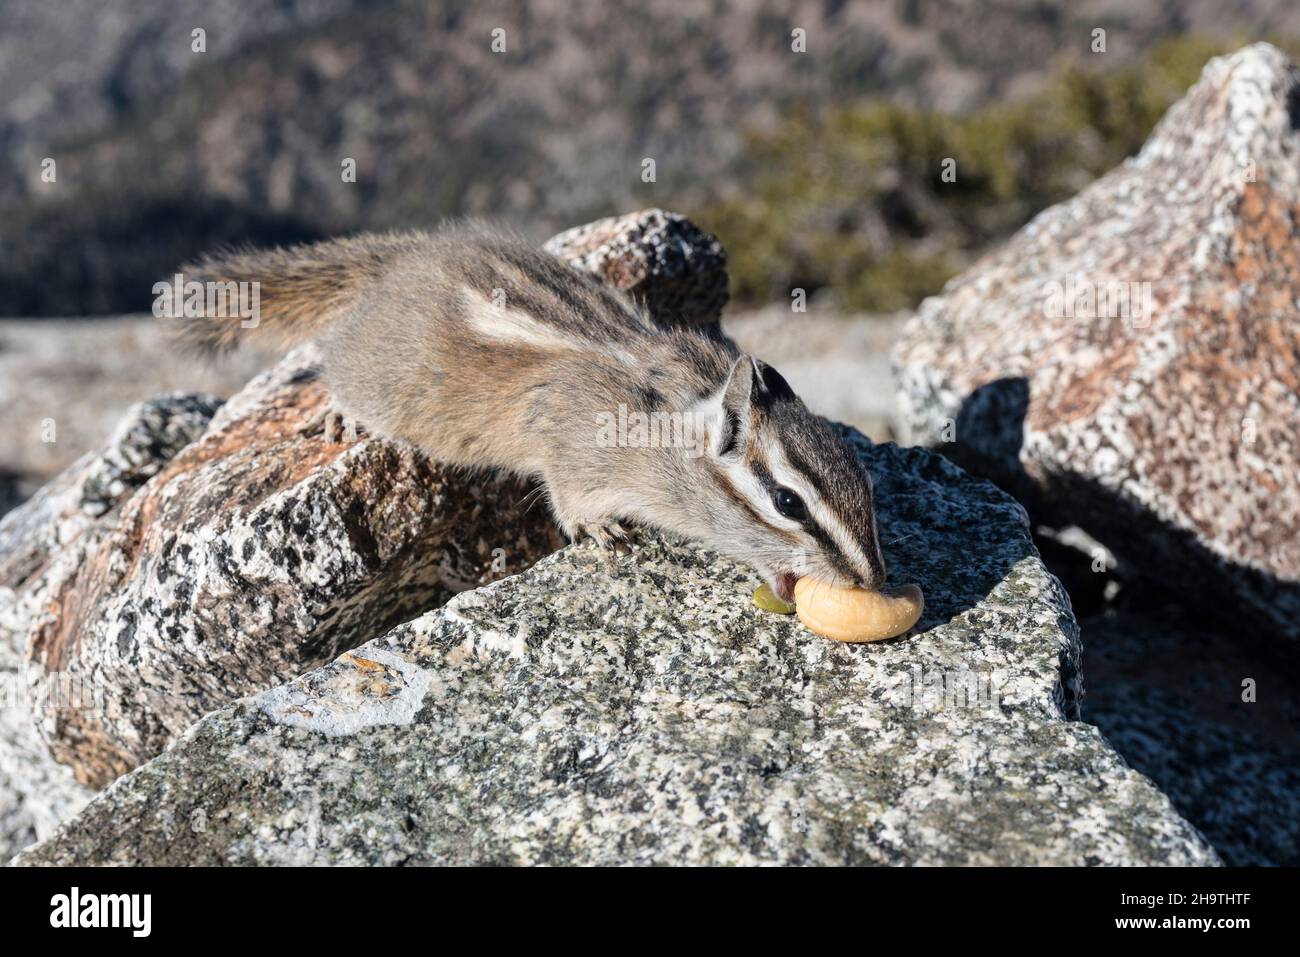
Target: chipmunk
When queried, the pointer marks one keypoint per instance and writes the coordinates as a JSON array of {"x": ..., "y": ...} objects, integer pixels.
[{"x": 486, "y": 352}]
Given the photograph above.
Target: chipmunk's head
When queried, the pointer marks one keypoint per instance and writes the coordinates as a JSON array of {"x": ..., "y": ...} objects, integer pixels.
[{"x": 792, "y": 498}]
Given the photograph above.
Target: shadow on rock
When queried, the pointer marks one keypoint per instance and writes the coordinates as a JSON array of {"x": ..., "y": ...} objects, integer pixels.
[{"x": 1170, "y": 675}]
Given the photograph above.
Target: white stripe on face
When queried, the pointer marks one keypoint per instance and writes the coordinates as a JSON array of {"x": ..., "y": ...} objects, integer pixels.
[
  {"x": 760, "y": 499},
  {"x": 843, "y": 537}
]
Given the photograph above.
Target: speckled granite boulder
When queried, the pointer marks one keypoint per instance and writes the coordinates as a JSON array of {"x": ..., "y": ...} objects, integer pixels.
[
  {"x": 259, "y": 551},
  {"x": 1165, "y": 420},
  {"x": 644, "y": 711},
  {"x": 41, "y": 547},
  {"x": 662, "y": 258}
]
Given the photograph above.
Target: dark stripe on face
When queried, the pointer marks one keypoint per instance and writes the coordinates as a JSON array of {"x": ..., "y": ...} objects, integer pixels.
[
  {"x": 819, "y": 534},
  {"x": 725, "y": 483},
  {"x": 809, "y": 475},
  {"x": 863, "y": 532}
]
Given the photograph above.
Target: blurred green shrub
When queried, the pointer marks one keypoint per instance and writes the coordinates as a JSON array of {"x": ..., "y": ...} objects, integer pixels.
[{"x": 853, "y": 199}]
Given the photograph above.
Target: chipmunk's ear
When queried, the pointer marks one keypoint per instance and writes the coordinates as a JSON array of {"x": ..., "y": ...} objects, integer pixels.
[
  {"x": 730, "y": 411},
  {"x": 739, "y": 390},
  {"x": 727, "y": 410},
  {"x": 772, "y": 386}
]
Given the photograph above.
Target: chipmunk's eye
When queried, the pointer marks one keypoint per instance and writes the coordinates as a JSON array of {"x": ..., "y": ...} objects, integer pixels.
[{"x": 789, "y": 504}]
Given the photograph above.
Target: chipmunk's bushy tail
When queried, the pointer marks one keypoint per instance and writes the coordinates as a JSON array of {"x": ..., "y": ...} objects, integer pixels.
[{"x": 300, "y": 290}]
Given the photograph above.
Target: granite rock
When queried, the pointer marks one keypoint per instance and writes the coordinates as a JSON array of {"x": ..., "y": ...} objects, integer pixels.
[
  {"x": 259, "y": 551},
  {"x": 642, "y": 710},
  {"x": 1209, "y": 713},
  {"x": 674, "y": 267},
  {"x": 1128, "y": 362},
  {"x": 41, "y": 548}
]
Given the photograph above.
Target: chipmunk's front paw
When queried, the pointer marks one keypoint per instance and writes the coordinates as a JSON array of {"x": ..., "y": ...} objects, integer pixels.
[
  {"x": 335, "y": 425},
  {"x": 610, "y": 537}
]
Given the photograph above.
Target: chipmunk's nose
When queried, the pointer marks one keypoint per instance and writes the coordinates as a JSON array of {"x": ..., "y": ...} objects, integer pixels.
[
  {"x": 873, "y": 576},
  {"x": 872, "y": 582}
]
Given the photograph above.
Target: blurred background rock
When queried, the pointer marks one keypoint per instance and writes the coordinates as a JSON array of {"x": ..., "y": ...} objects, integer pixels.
[{"x": 819, "y": 171}]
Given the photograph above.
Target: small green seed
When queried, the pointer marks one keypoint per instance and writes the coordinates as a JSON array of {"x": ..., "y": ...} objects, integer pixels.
[{"x": 769, "y": 600}]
